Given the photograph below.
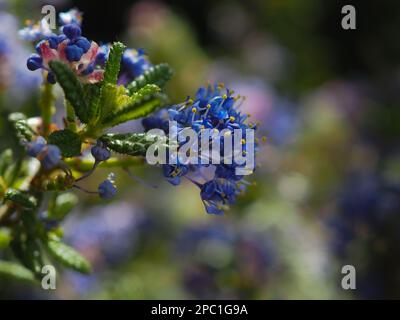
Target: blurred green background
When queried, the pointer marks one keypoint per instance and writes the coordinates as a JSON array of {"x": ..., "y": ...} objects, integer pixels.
[{"x": 327, "y": 186}]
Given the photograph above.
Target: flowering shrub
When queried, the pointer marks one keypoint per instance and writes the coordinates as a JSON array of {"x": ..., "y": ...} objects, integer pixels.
[{"x": 104, "y": 86}]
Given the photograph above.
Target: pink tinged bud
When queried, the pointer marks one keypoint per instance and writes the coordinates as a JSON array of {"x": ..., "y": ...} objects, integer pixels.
[
  {"x": 48, "y": 54},
  {"x": 95, "y": 76}
]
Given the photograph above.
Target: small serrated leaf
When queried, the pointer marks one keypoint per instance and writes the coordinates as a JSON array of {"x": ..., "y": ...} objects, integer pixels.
[
  {"x": 113, "y": 63},
  {"x": 138, "y": 109},
  {"x": 72, "y": 89},
  {"x": 67, "y": 256},
  {"x": 16, "y": 271},
  {"x": 21, "y": 198},
  {"x": 158, "y": 75},
  {"x": 69, "y": 142},
  {"x": 134, "y": 144},
  {"x": 112, "y": 97}
]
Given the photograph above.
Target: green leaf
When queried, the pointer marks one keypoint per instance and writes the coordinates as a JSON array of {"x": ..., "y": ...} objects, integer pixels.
[
  {"x": 24, "y": 131},
  {"x": 6, "y": 158},
  {"x": 158, "y": 75},
  {"x": 113, "y": 63},
  {"x": 67, "y": 256},
  {"x": 63, "y": 204},
  {"x": 26, "y": 248},
  {"x": 112, "y": 97},
  {"x": 134, "y": 144},
  {"x": 21, "y": 198},
  {"x": 16, "y": 271},
  {"x": 138, "y": 109},
  {"x": 92, "y": 97},
  {"x": 68, "y": 141},
  {"x": 72, "y": 89},
  {"x": 12, "y": 172}
]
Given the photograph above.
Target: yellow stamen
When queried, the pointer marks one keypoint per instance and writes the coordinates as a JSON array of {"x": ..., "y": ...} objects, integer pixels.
[
  {"x": 232, "y": 118},
  {"x": 194, "y": 110}
]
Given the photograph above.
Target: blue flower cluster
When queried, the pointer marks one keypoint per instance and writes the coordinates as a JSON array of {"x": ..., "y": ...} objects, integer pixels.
[
  {"x": 49, "y": 155},
  {"x": 69, "y": 47},
  {"x": 213, "y": 108}
]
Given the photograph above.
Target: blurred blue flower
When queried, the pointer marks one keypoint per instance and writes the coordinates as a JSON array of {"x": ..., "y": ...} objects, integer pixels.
[
  {"x": 13, "y": 73},
  {"x": 107, "y": 189},
  {"x": 99, "y": 152},
  {"x": 367, "y": 216},
  {"x": 210, "y": 251},
  {"x": 49, "y": 155},
  {"x": 70, "y": 16}
]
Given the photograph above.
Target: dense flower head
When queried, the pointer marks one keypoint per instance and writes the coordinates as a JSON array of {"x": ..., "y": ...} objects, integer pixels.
[
  {"x": 133, "y": 63},
  {"x": 215, "y": 108},
  {"x": 49, "y": 155},
  {"x": 71, "y": 48}
]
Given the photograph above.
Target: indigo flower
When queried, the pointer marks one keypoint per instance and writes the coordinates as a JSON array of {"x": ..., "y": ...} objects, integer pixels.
[
  {"x": 212, "y": 108},
  {"x": 217, "y": 194},
  {"x": 100, "y": 153},
  {"x": 71, "y": 48},
  {"x": 107, "y": 189},
  {"x": 49, "y": 155}
]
